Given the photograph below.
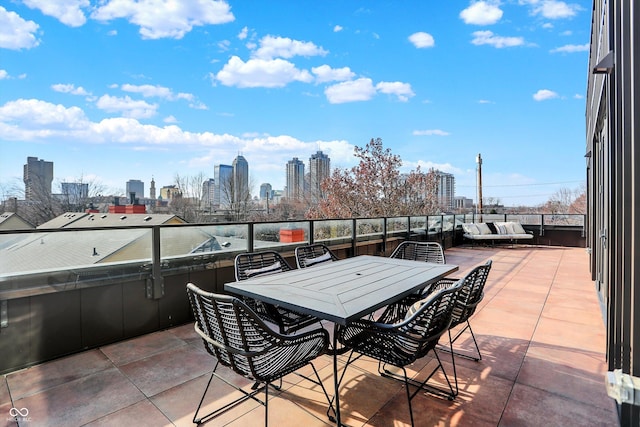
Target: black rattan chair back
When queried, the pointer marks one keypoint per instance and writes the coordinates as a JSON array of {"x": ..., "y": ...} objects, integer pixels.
[
  {"x": 420, "y": 251},
  {"x": 253, "y": 264},
  {"x": 240, "y": 340},
  {"x": 314, "y": 254},
  {"x": 400, "y": 342}
]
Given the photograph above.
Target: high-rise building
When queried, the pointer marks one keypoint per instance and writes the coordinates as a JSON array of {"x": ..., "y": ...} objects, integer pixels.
[
  {"x": 37, "y": 177},
  {"x": 208, "y": 192},
  {"x": 265, "y": 191},
  {"x": 295, "y": 178},
  {"x": 223, "y": 181},
  {"x": 319, "y": 170},
  {"x": 136, "y": 187},
  {"x": 240, "y": 179},
  {"x": 446, "y": 190}
]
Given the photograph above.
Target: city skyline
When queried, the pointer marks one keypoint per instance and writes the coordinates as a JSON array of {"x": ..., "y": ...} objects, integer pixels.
[{"x": 438, "y": 82}]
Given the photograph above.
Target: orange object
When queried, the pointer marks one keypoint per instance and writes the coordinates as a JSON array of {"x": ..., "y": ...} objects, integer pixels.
[{"x": 290, "y": 235}]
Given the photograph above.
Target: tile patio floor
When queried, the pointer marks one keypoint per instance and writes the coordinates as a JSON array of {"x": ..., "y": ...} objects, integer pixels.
[{"x": 539, "y": 328}]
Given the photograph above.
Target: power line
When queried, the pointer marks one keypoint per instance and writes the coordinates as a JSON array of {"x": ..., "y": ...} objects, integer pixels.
[{"x": 523, "y": 185}]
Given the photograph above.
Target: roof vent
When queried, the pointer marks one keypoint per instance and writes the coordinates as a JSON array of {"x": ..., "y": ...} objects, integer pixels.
[
  {"x": 123, "y": 217},
  {"x": 95, "y": 253},
  {"x": 147, "y": 218}
]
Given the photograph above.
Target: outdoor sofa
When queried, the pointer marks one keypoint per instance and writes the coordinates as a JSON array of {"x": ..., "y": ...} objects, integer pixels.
[{"x": 490, "y": 232}]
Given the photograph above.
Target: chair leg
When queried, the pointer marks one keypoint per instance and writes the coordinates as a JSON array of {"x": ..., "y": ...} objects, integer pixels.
[
  {"x": 257, "y": 388},
  {"x": 457, "y": 353}
]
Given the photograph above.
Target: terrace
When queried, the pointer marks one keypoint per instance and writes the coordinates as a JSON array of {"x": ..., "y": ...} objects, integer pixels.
[{"x": 539, "y": 327}]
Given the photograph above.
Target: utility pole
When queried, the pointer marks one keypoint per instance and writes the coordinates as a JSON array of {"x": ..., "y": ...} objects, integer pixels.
[{"x": 479, "y": 203}]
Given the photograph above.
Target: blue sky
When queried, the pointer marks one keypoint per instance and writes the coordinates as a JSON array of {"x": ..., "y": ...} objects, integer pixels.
[{"x": 113, "y": 90}]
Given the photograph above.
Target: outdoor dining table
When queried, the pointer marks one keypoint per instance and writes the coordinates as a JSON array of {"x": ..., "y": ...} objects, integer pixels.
[{"x": 342, "y": 291}]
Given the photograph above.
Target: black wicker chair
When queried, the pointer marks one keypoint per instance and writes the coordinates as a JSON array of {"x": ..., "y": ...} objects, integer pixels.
[
  {"x": 420, "y": 251},
  {"x": 469, "y": 296},
  {"x": 240, "y": 340},
  {"x": 401, "y": 341},
  {"x": 315, "y": 254},
  {"x": 252, "y": 264}
]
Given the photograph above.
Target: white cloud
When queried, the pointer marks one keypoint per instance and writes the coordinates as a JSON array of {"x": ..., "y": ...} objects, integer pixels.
[
  {"x": 481, "y": 13},
  {"x": 4, "y": 74},
  {"x": 421, "y": 40},
  {"x": 15, "y": 32},
  {"x": 170, "y": 119},
  {"x": 69, "y": 12},
  {"x": 402, "y": 90},
  {"x": 148, "y": 90},
  {"x": 325, "y": 73},
  {"x": 553, "y": 9},
  {"x": 544, "y": 94},
  {"x": 172, "y": 19},
  {"x": 570, "y": 48},
  {"x": 126, "y": 106},
  {"x": 70, "y": 88},
  {"x": 243, "y": 33},
  {"x": 431, "y": 132},
  {"x": 485, "y": 101},
  {"x": 337, "y": 29},
  {"x": 24, "y": 117},
  {"x": 356, "y": 90},
  {"x": 283, "y": 47},
  {"x": 260, "y": 73},
  {"x": 487, "y": 37}
]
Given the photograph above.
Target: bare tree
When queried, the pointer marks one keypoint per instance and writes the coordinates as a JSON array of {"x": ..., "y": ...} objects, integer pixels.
[
  {"x": 375, "y": 187},
  {"x": 188, "y": 202},
  {"x": 235, "y": 196}
]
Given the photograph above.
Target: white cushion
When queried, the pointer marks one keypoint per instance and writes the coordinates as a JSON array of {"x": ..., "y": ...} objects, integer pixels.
[
  {"x": 501, "y": 228},
  {"x": 470, "y": 229},
  {"x": 517, "y": 228},
  {"x": 483, "y": 228},
  {"x": 269, "y": 269},
  {"x": 324, "y": 257}
]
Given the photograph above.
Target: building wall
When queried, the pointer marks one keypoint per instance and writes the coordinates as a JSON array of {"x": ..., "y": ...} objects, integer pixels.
[
  {"x": 319, "y": 170},
  {"x": 613, "y": 188}
]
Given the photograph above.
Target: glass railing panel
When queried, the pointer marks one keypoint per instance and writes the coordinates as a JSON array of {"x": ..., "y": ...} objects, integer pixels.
[
  {"x": 564, "y": 219},
  {"x": 276, "y": 236},
  {"x": 397, "y": 226},
  {"x": 532, "y": 219},
  {"x": 332, "y": 231},
  {"x": 369, "y": 229},
  {"x": 491, "y": 218},
  {"x": 418, "y": 224},
  {"x": 223, "y": 241},
  {"x": 435, "y": 224},
  {"x": 447, "y": 222}
]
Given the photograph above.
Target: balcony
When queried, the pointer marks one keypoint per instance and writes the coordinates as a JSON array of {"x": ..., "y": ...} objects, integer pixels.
[{"x": 539, "y": 327}]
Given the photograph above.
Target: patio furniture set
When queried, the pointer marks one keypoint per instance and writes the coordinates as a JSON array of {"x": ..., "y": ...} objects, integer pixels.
[{"x": 418, "y": 301}]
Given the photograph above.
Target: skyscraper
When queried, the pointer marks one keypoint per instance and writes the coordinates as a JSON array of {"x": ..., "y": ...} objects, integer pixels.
[
  {"x": 446, "y": 190},
  {"x": 295, "y": 178},
  {"x": 319, "y": 170},
  {"x": 208, "y": 192},
  {"x": 240, "y": 179},
  {"x": 223, "y": 177},
  {"x": 37, "y": 177}
]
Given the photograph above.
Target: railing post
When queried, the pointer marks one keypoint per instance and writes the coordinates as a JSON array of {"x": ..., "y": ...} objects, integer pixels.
[
  {"x": 250, "y": 237},
  {"x": 354, "y": 234},
  {"x": 311, "y": 222},
  {"x": 155, "y": 284},
  {"x": 384, "y": 235}
]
